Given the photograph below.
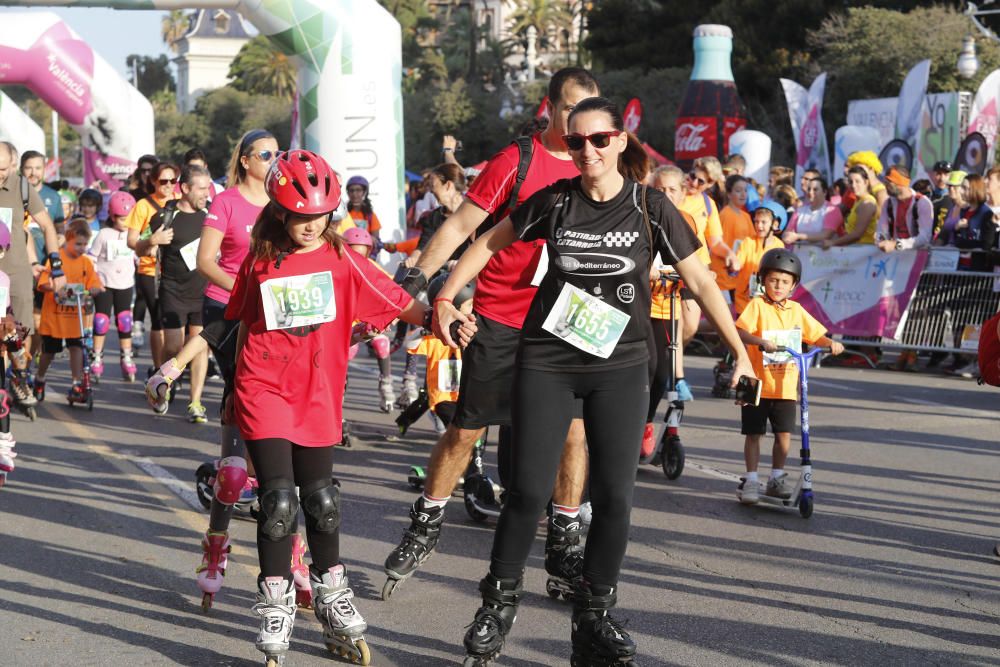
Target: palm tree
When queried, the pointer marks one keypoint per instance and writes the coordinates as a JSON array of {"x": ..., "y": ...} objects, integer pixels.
[
  {"x": 173, "y": 26},
  {"x": 261, "y": 68},
  {"x": 545, "y": 16}
]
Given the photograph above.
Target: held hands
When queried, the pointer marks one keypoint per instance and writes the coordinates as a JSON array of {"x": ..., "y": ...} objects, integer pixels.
[{"x": 445, "y": 316}]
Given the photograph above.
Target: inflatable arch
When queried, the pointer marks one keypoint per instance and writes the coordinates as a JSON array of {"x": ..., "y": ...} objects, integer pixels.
[
  {"x": 18, "y": 128},
  {"x": 114, "y": 120},
  {"x": 349, "y": 57}
]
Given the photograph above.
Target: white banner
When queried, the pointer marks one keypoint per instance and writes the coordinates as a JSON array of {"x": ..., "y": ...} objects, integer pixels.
[
  {"x": 805, "y": 110},
  {"x": 983, "y": 117},
  {"x": 755, "y": 147},
  {"x": 851, "y": 139},
  {"x": 878, "y": 113},
  {"x": 17, "y": 127},
  {"x": 910, "y": 107}
]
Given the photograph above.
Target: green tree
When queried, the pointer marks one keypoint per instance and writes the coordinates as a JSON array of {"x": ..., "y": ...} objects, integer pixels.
[
  {"x": 152, "y": 74},
  {"x": 546, "y": 16},
  {"x": 262, "y": 69},
  {"x": 173, "y": 26}
]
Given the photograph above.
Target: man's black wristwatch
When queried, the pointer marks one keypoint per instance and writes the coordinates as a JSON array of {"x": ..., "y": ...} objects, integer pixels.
[
  {"x": 55, "y": 265},
  {"x": 414, "y": 281}
]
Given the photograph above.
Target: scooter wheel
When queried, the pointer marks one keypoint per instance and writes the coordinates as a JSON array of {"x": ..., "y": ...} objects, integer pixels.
[
  {"x": 473, "y": 511},
  {"x": 31, "y": 413},
  {"x": 806, "y": 506},
  {"x": 90, "y": 403},
  {"x": 673, "y": 458},
  {"x": 416, "y": 477}
]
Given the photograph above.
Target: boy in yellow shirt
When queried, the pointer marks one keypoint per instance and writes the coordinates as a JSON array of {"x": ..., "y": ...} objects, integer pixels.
[
  {"x": 768, "y": 321},
  {"x": 769, "y": 220},
  {"x": 60, "y": 324}
]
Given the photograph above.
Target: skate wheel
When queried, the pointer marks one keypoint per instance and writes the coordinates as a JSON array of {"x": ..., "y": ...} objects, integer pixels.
[
  {"x": 275, "y": 661},
  {"x": 388, "y": 588},
  {"x": 31, "y": 413},
  {"x": 206, "y": 602},
  {"x": 364, "y": 656},
  {"x": 552, "y": 590}
]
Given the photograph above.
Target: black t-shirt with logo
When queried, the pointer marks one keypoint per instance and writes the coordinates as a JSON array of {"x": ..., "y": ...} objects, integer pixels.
[
  {"x": 173, "y": 269},
  {"x": 602, "y": 248}
]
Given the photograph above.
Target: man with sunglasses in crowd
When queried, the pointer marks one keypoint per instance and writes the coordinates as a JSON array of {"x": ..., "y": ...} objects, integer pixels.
[{"x": 504, "y": 291}]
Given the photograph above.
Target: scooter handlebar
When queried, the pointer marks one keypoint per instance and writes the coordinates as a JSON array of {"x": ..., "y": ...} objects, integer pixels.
[{"x": 803, "y": 355}]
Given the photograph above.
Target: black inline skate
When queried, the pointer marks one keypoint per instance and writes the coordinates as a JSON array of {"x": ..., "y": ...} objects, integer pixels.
[
  {"x": 485, "y": 637},
  {"x": 563, "y": 555},
  {"x": 598, "y": 639},
  {"x": 417, "y": 546}
]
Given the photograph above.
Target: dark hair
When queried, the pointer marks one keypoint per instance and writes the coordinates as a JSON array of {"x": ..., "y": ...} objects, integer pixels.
[
  {"x": 822, "y": 184},
  {"x": 923, "y": 186},
  {"x": 732, "y": 180},
  {"x": 195, "y": 154},
  {"x": 154, "y": 175},
  {"x": 30, "y": 155},
  {"x": 860, "y": 171},
  {"x": 450, "y": 173},
  {"x": 78, "y": 228},
  {"x": 269, "y": 237},
  {"x": 840, "y": 186},
  {"x": 147, "y": 158},
  {"x": 575, "y": 75},
  {"x": 190, "y": 172},
  {"x": 634, "y": 162}
]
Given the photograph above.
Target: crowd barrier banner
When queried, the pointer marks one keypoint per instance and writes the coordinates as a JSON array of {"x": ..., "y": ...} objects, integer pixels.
[{"x": 858, "y": 290}]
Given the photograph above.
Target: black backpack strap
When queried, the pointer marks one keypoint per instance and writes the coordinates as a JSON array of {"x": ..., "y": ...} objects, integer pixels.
[
  {"x": 525, "y": 148},
  {"x": 25, "y": 193}
]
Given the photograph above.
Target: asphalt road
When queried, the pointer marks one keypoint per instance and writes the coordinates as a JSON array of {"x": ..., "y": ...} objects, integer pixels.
[{"x": 99, "y": 540}]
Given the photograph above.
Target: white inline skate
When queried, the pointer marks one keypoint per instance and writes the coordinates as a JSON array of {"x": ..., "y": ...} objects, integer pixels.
[
  {"x": 343, "y": 626},
  {"x": 276, "y": 608}
]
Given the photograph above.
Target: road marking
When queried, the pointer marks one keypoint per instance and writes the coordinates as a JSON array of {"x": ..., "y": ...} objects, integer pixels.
[{"x": 161, "y": 475}]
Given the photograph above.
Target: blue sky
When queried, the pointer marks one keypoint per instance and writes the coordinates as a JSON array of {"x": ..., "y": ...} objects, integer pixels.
[{"x": 112, "y": 33}]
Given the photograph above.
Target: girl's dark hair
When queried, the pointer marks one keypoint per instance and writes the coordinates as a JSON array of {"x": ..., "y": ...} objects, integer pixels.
[
  {"x": 154, "y": 175},
  {"x": 366, "y": 206},
  {"x": 634, "y": 162},
  {"x": 732, "y": 180},
  {"x": 450, "y": 173},
  {"x": 860, "y": 171},
  {"x": 269, "y": 238}
]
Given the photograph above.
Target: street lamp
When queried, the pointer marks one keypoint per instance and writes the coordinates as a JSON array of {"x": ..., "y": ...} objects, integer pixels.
[{"x": 968, "y": 64}]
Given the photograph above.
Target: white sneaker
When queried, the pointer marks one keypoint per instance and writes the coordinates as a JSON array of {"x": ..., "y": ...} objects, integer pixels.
[
  {"x": 748, "y": 492},
  {"x": 780, "y": 487},
  {"x": 970, "y": 370}
]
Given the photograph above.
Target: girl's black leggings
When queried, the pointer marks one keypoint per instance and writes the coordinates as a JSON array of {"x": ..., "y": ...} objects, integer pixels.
[
  {"x": 542, "y": 407},
  {"x": 280, "y": 463}
]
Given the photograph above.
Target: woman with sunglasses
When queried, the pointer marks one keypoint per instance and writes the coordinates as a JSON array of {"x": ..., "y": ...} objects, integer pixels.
[
  {"x": 585, "y": 337},
  {"x": 162, "y": 179}
]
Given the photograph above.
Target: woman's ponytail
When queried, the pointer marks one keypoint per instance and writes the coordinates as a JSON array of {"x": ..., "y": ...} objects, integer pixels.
[{"x": 634, "y": 163}]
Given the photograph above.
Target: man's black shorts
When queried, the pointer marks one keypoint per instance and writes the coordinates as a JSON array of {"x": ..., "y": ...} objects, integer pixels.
[
  {"x": 487, "y": 376},
  {"x": 177, "y": 309},
  {"x": 780, "y": 412}
]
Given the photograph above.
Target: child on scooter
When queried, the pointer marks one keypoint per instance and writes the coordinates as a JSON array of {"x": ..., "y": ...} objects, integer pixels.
[
  {"x": 60, "y": 324},
  {"x": 769, "y": 321}
]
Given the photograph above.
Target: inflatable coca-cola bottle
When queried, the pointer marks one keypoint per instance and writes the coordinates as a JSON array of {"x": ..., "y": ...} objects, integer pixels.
[{"x": 711, "y": 109}]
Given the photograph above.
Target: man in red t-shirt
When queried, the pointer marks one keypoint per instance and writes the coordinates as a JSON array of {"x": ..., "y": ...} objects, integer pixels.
[{"x": 504, "y": 291}]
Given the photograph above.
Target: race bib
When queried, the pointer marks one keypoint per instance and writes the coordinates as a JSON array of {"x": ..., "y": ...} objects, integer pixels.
[
  {"x": 449, "y": 374},
  {"x": 298, "y": 301},
  {"x": 4, "y": 299},
  {"x": 189, "y": 254},
  {"x": 586, "y": 322},
  {"x": 790, "y": 338},
  {"x": 7, "y": 216},
  {"x": 118, "y": 248}
]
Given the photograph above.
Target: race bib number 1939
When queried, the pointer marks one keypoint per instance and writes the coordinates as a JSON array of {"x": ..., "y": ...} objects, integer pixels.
[
  {"x": 298, "y": 301},
  {"x": 586, "y": 322}
]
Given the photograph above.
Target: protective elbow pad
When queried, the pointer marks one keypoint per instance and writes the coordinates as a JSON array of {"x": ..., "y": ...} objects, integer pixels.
[
  {"x": 230, "y": 479},
  {"x": 124, "y": 321},
  {"x": 381, "y": 345},
  {"x": 101, "y": 324},
  {"x": 278, "y": 510},
  {"x": 323, "y": 507}
]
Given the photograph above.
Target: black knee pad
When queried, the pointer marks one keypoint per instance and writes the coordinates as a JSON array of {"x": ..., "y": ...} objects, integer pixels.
[
  {"x": 323, "y": 507},
  {"x": 278, "y": 511}
]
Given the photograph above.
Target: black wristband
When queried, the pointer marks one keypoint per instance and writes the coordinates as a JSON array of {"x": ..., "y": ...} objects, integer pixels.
[
  {"x": 414, "y": 281},
  {"x": 55, "y": 265}
]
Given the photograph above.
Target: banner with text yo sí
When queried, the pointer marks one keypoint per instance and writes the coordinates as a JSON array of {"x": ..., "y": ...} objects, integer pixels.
[{"x": 858, "y": 290}]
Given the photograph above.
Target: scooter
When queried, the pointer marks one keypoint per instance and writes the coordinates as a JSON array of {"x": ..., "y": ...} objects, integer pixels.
[
  {"x": 83, "y": 393},
  {"x": 669, "y": 452},
  {"x": 802, "y": 495},
  {"x": 480, "y": 494}
]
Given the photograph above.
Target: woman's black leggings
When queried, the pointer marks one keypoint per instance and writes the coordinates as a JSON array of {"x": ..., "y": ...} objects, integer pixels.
[
  {"x": 280, "y": 463},
  {"x": 542, "y": 407},
  {"x": 146, "y": 286},
  {"x": 659, "y": 364}
]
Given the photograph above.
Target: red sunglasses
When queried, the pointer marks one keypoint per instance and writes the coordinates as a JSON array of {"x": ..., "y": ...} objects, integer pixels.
[{"x": 575, "y": 142}]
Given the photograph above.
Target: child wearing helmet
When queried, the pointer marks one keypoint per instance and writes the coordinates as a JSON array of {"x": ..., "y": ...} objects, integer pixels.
[
  {"x": 89, "y": 208},
  {"x": 359, "y": 207},
  {"x": 769, "y": 220},
  {"x": 296, "y": 296},
  {"x": 12, "y": 340},
  {"x": 768, "y": 321},
  {"x": 114, "y": 262}
]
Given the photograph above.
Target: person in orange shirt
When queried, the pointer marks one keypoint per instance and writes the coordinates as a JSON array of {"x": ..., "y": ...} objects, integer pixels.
[
  {"x": 359, "y": 206},
  {"x": 60, "y": 324},
  {"x": 769, "y": 220},
  {"x": 144, "y": 242},
  {"x": 736, "y": 226},
  {"x": 768, "y": 321}
]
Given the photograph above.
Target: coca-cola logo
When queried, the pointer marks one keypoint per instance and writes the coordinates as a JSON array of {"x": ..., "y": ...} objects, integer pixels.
[{"x": 690, "y": 137}]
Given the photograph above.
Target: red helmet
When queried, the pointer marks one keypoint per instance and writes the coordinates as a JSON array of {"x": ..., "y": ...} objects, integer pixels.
[
  {"x": 302, "y": 182},
  {"x": 358, "y": 236},
  {"x": 121, "y": 203}
]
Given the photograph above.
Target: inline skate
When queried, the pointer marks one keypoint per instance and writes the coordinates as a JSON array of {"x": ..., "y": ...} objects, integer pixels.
[
  {"x": 25, "y": 393},
  {"x": 128, "y": 366},
  {"x": 485, "y": 637},
  {"x": 97, "y": 366},
  {"x": 343, "y": 625},
  {"x": 419, "y": 541},
  {"x": 598, "y": 639},
  {"x": 387, "y": 395},
  {"x": 276, "y": 608},
  {"x": 409, "y": 393},
  {"x": 563, "y": 555},
  {"x": 215, "y": 558},
  {"x": 7, "y": 456},
  {"x": 300, "y": 573}
]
